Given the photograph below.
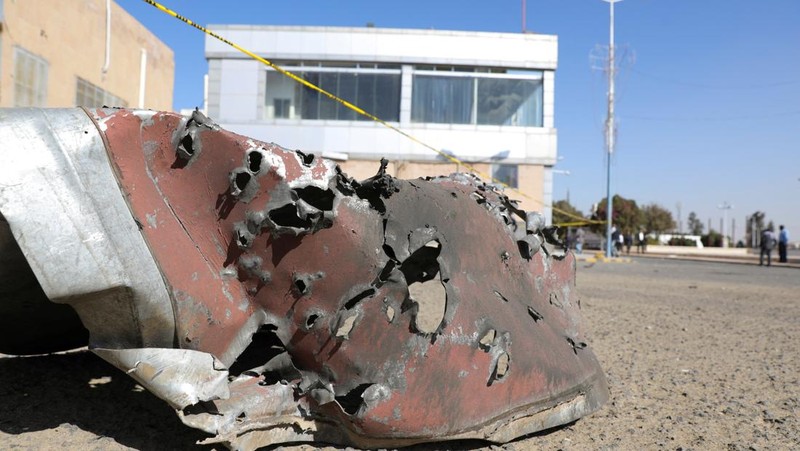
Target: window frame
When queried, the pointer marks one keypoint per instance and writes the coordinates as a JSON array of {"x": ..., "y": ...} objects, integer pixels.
[
  {"x": 35, "y": 86},
  {"x": 324, "y": 74},
  {"x": 97, "y": 96},
  {"x": 514, "y": 179},
  {"x": 475, "y": 75}
]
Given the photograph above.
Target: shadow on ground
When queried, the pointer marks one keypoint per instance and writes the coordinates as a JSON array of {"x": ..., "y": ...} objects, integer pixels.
[
  {"x": 80, "y": 389},
  {"x": 43, "y": 392}
]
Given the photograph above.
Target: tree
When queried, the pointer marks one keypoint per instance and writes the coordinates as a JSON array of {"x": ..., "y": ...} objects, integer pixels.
[
  {"x": 712, "y": 239},
  {"x": 564, "y": 212},
  {"x": 656, "y": 218},
  {"x": 626, "y": 214},
  {"x": 695, "y": 224}
]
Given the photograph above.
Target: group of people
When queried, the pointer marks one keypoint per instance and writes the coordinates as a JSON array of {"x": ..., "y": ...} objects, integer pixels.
[
  {"x": 769, "y": 241},
  {"x": 625, "y": 239},
  {"x": 619, "y": 241}
]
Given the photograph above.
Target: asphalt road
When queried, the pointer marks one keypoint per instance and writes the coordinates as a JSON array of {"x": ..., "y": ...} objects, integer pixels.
[
  {"x": 698, "y": 356},
  {"x": 696, "y": 271}
]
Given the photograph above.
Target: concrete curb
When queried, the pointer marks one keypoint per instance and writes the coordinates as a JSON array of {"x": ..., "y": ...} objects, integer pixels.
[
  {"x": 600, "y": 257},
  {"x": 751, "y": 260}
]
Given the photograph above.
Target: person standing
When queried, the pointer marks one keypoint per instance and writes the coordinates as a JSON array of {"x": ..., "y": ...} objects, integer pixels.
[
  {"x": 614, "y": 240},
  {"x": 767, "y": 244},
  {"x": 641, "y": 242},
  {"x": 783, "y": 242},
  {"x": 580, "y": 236},
  {"x": 617, "y": 240}
]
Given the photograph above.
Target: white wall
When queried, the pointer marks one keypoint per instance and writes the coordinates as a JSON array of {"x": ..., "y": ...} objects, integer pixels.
[
  {"x": 239, "y": 90},
  {"x": 368, "y": 140},
  {"x": 520, "y": 50}
]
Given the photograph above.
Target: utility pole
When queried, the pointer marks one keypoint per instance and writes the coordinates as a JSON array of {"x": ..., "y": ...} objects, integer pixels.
[
  {"x": 524, "y": 13},
  {"x": 725, "y": 206},
  {"x": 610, "y": 130}
]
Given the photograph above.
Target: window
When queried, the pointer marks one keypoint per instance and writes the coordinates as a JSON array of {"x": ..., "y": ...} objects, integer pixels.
[
  {"x": 373, "y": 89},
  {"x": 89, "y": 95},
  {"x": 282, "y": 107},
  {"x": 442, "y": 100},
  {"x": 30, "y": 79},
  {"x": 509, "y": 102},
  {"x": 480, "y": 97},
  {"x": 506, "y": 173}
]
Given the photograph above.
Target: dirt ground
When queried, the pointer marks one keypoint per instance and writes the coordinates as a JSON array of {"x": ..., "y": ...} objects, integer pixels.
[{"x": 701, "y": 356}]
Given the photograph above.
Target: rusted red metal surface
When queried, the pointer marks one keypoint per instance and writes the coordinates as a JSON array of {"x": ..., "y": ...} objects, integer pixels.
[{"x": 383, "y": 312}]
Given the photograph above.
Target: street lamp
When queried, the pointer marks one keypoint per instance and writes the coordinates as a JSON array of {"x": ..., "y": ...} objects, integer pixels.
[{"x": 610, "y": 125}]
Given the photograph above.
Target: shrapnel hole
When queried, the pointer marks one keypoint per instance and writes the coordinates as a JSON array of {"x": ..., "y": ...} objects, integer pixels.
[
  {"x": 187, "y": 143},
  {"x": 241, "y": 180},
  {"x": 254, "y": 161},
  {"x": 321, "y": 199},
  {"x": 312, "y": 318},
  {"x": 359, "y": 297},
  {"x": 352, "y": 400},
  {"x": 264, "y": 346},
  {"x": 286, "y": 216},
  {"x": 307, "y": 158}
]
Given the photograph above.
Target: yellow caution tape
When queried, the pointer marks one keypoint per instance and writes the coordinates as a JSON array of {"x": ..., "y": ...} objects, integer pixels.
[
  {"x": 353, "y": 107},
  {"x": 576, "y": 223}
]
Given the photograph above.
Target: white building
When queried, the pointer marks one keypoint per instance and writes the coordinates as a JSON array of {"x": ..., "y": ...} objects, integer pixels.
[{"x": 486, "y": 98}]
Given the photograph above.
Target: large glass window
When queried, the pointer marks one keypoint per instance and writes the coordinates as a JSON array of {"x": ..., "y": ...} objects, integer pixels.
[
  {"x": 507, "y": 174},
  {"x": 375, "y": 90},
  {"x": 482, "y": 98},
  {"x": 509, "y": 102},
  {"x": 90, "y": 95},
  {"x": 30, "y": 79},
  {"x": 442, "y": 100}
]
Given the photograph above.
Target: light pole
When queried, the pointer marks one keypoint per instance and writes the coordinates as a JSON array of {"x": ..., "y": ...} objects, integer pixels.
[
  {"x": 725, "y": 206},
  {"x": 610, "y": 126}
]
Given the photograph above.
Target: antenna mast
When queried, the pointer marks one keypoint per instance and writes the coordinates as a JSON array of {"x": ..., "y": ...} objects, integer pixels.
[
  {"x": 610, "y": 128},
  {"x": 524, "y": 21}
]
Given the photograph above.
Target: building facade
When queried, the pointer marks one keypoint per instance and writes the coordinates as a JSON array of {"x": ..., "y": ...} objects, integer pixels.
[
  {"x": 484, "y": 98},
  {"x": 80, "y": 53}
]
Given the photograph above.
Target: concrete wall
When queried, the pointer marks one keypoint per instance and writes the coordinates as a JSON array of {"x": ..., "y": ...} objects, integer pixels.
[
  {"x": 530, "y": 176},
  {"x": 699, "y": 251},
  {"x": 71, "y": 37}
]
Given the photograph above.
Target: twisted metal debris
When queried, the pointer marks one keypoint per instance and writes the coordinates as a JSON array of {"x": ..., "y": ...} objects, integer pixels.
[{"x": 270, "y": 298}]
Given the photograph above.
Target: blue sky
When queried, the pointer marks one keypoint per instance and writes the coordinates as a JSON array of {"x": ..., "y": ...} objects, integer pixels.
[{"x": 708, "y": 98}]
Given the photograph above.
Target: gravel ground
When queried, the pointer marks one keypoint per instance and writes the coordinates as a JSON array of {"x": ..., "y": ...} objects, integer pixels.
[{"x": 698, "y": 356}]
